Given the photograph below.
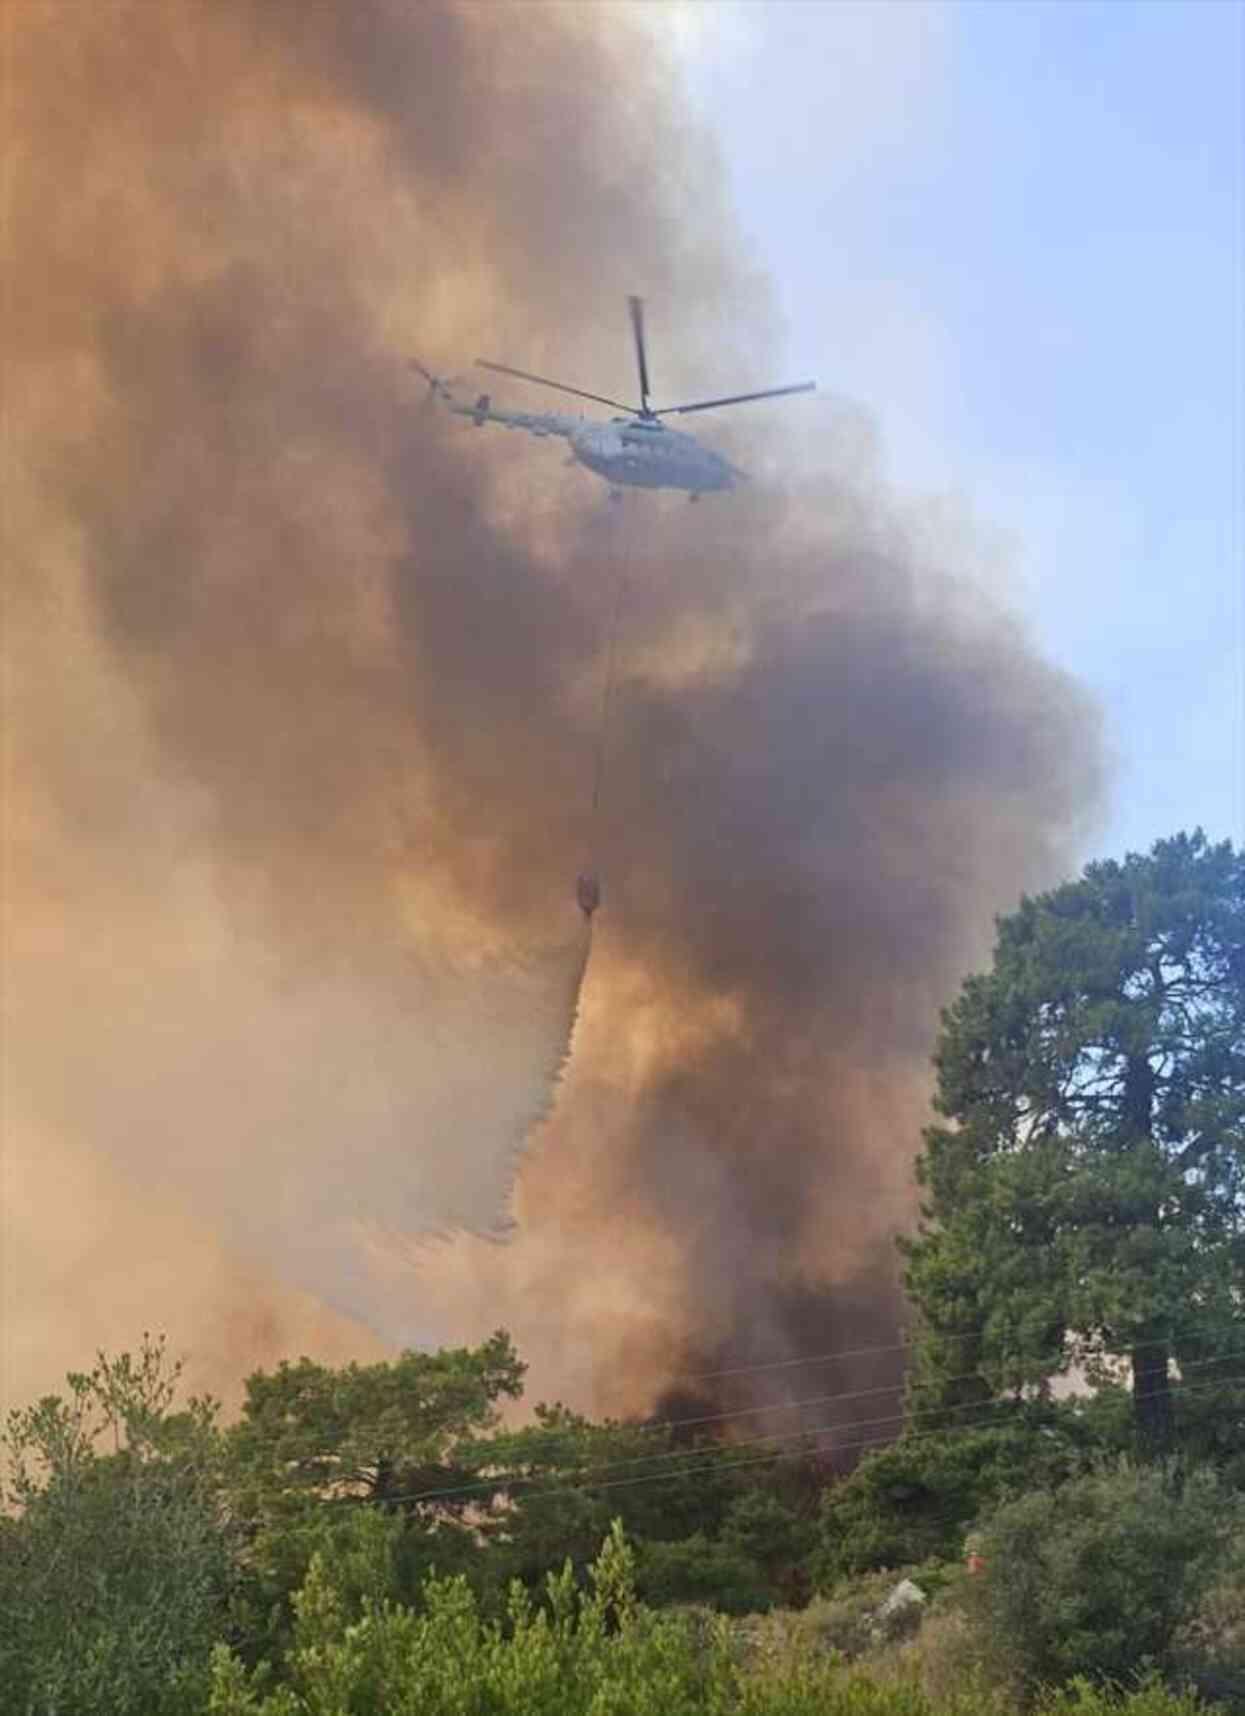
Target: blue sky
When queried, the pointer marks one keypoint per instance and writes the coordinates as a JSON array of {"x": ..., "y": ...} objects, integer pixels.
[{"x": 1014, "y": 229}]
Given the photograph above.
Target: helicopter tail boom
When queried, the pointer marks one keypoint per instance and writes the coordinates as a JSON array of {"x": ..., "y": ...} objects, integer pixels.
[{"x": 438, "y": 388}]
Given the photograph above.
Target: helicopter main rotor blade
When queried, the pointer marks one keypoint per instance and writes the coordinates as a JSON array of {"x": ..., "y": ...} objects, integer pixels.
[
  {"x": 736, "y": 399},
  {"x": 636, "y": 306},
  {"x": 544, "y": 381}
]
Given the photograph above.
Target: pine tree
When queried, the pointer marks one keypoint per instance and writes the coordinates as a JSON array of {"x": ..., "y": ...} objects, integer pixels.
[{"x": 1086, "y": 1182}]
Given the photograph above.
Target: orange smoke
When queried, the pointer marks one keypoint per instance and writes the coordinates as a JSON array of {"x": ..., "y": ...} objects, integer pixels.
[{"x": 303, "y": 686}]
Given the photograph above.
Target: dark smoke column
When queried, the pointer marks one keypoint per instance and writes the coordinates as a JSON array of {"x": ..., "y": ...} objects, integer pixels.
[{"x": 308, "y": 685}]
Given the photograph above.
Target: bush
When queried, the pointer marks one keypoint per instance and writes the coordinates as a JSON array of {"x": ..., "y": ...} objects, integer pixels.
[
  {"x": 360, "y": 1543},
  {"x": 1152, "y": 1698},
  {"x": 764, "y": 1528},
  {"x": 1097, "y": 1577},
  {"x": 1210, "y": 1648},
  {"x": 849, "y": 1622},
  {"x": 595, "y": 1653},
  {"x": 116, "y": 1569},
  {"x": 582, "y": 1653},
  {"x": 943, "y": 1658},
  {"x": 698, "y": 1570},
  {"x": 912, "y": 1501}
]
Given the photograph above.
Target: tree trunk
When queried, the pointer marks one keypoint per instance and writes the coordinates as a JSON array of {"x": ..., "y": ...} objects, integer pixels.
[
  {"x": 1152, "y": 1400},
  {"x": 1139, "y": 1097}
]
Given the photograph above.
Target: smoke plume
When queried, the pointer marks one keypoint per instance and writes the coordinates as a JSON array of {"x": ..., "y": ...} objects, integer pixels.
[{"x": 304, "y": 691}]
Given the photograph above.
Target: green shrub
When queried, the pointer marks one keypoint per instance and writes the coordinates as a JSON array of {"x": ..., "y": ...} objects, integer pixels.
[
  {"x": 360, "y": 1543},
  {"x": 1152, "y": 1698},
  {"x": 1210, "y": 1647},
  {"x": 772, "y": 1535},
  {"x": 581, "y": 1653},
  {"x": 849, "y": 1621},
  {"x": 913, "y": 1500},
  {"x": 593, "y": 1653},
  {"x": 1096, "y": 1578},
  {"x": 116, "y": 1568},
  {"x": 698, "y": 1570}
]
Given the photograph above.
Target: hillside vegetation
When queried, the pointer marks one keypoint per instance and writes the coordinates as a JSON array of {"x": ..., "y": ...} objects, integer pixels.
[{"x": 371, "y": 1539}]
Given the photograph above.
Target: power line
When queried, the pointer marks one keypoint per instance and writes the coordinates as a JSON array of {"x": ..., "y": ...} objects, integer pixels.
[
  {"x": 807, "y": 1363},
  {"x": 730, "y": 1465},
  {"x": 589, "y": 1482},
  {"x": 815, "y": 1359},
  {"x": 859, "y": 1393},
  {"x": 651, "y": 1426},
  {"x": 819, "y": 1359},
  {"x": 821, "y": 1400},
  {"x": 895, "y": 1418}
]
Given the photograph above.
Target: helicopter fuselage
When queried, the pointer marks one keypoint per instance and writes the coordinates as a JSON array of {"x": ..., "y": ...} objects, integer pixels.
[
  {"x": 629, "y": 452},
  {"x": 633, "y": 452}
]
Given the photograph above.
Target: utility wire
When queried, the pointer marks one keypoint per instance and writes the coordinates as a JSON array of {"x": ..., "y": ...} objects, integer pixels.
[
  {"x": 816, "y": 1359},
  {"x": 986, "y": 1410},
  {"x": 651, "y": 1425},
  {"x": 808, "y": 1363},
  {"x": 712, "y": 1466}
]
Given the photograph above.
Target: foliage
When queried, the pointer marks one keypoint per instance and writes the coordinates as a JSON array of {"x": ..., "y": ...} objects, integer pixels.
[
  {"x": 115, "y": 1566},
  {"x": 381, "y": 1433},
  {"x": 318, "y": 1448},
  {"x": 361, "y": 1544},
  {"x": 1209, "y": 1649},
  {"x": 582, "y": 1653},
  {"x": 697, "y": 1484},
  {"x": 1151, "y": 1698},
  {"x": 1086, "y": 1201},
  {"x": 555, "y": 1485},
  {"x": 851, "y": 1623},
  {"x": 698, "y": 1569},
  {"x": 773, "y": 1535},
  {"x": 127, "y": 1551},
  {"x": 596, "y": 1650},
  {"x": 916, "y": 1498},
  {"x": 418, "y": 1440},
  {"x": 1210, "y": 1420},
  {"x": 1096, "y": 1578}
]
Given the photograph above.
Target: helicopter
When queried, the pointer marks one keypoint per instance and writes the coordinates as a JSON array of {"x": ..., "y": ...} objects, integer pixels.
[{"x": 634, "y": 451}]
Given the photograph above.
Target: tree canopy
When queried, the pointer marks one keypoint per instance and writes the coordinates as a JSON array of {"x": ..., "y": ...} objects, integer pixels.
[
  {"x": 380, "y": 1432},
  {"x": 117, "y": 1548},
  {"x": 1085, "y": 1185}
]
